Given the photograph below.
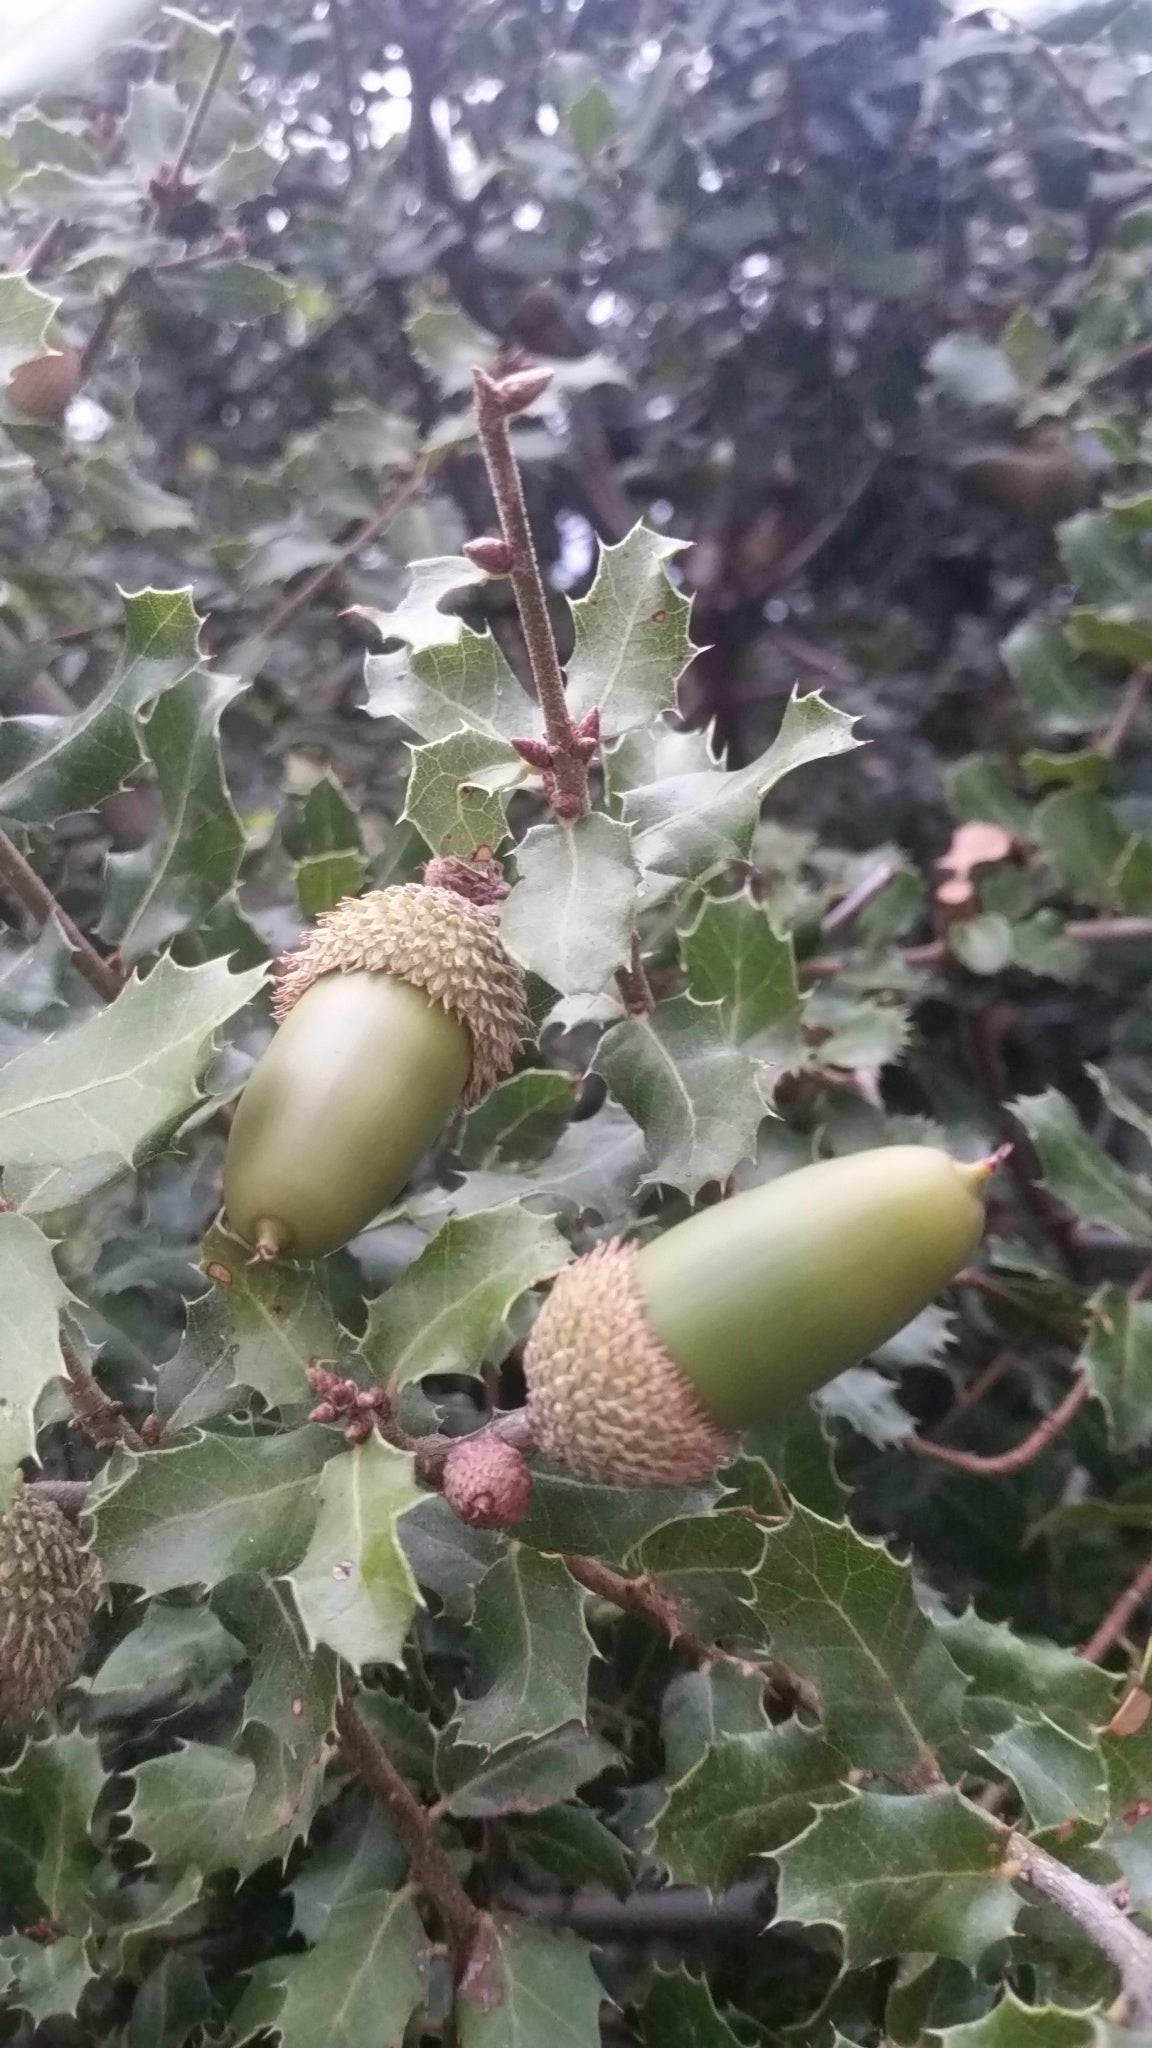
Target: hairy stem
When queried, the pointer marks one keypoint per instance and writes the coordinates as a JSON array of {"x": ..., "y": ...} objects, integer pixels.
[
  {"x": 430, "y": 1866},
  {"x": 1106, "y": 1926},
  {"x": 569, "y": 770},
  {"x": 1021, "y": 1454},
  {"x": 102, "y": 1419}
]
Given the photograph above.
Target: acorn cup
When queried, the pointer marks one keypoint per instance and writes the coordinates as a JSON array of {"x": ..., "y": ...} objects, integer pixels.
[
  {"x": 398, "y": 1009},
  {"x": 643, "y": 1365},
  {"x": 49, "y": 1592}
]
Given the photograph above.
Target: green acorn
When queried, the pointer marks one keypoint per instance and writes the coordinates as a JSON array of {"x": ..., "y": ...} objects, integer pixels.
[
  {"x": 643, "y": 1365},
  {"x": 399, "y": 1008},
  {"x": 49, "y": 1590}
]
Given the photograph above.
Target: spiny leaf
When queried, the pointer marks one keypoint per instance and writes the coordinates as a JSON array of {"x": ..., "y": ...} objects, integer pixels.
[
  {"x": 569, "y": 918},
  {"x": 45, "y": 1979},
  {"x": 520, "y": 1121},
  {"x": 353, "y": 1586},
  {"x": 1117, "y": 1357},
  {"x": 734, "y": 958},
  {"x": 51, "y": 766},
  {"x": 356, "y": 1988},
  {"x": 692, "y": 1092},
  {"x": 273, "y": 1321},
  {"x": 32, "y": 1295},
  {"x": 456, "y": 793},
  {"x": 1011, "y": 1674},
  {"x": 1093, "y": 1186},
  {"x": 899, "y": 1875},
  {"x": 47, "y": 1801},
  {"x": 574, "y": 1844},
  {"x": 81, "y": 1109},
  {"x": 450, "y": 1305},
  {"x": 445, "y": 676},
  {"x": 523, "y": 1777},
  {"x": 197, "y": 1513},
  {"x": 25, "y": 317},
  {"x": 632, "y": 642},
  {"x": 700, "y": 1707},
  {"x": 679, "y": 2013},
  {"x": 189, "y": 1808},
  {"x": 747, "y": 1795},
  {"x": 1014, "y": 2025},
  {"x": 1059, "y": 1776},
  {"x": 842, "y": 1612},
  {"x": 293, "y": 1689},
  {"x": 360, "y": 1854},
  {"x": 531, "y": 1643},
  {"x": 688, "y": 825},
  {"x": 539, "y": 1991},
  {"x": 192, "y": 859},
  {"x": 605, "y": 1521},
  {"x": 175, "y": 1653},
  {"x": 706, "y": 1565}
]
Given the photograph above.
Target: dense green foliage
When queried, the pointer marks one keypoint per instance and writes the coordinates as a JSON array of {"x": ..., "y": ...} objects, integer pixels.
[{"x": 848, "y": 312}]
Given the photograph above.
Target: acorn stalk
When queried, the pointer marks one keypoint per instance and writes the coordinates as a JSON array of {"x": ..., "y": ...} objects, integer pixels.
[
  {"x": 398, "y": 1009},
  {"x": 644, "y": 1365}
]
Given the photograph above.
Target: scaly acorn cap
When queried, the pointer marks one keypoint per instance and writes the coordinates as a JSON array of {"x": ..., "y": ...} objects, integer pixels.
[
  {"x": 439, "y": 942},
  {"x": 49, "y": 1591},
  {"x": 604, "y": 1397}
]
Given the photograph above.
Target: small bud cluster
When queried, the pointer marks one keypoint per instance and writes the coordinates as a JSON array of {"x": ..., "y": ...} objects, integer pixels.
[
  {"x": 542, "y": 756},
  {"x": 357, "y": 1408}
]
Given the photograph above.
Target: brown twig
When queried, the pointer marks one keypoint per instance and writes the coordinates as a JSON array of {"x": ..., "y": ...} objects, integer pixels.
[
  {"x": 634, "y": 985},
  {"x": 848, "y": 909},
  {"x": 496, "y": 400},
  {"x": 345, "y": 84},
  {"x": 431, "y": 1868},
  {"x": 1083, "y": 931},
  {"x": 42, "y": 248},
  {"x": 22, "y": 885},
  {"x": 368, "y": 531},
  {"x": 102, "y": 1419},
  {"x": 198, "y": 114},
  {"x": 1096, "y": 1914},
  {"x": 1129, "y": 706},
  {"x": 813, "y": 542},
  {"x": 1119, "y": 1615},
  {"x": 647, "y": 1603},
  {"x": 106, "y": 319},
  {"x": 1020, "y": 1455},
  {"x": 971, "y": 1396}
]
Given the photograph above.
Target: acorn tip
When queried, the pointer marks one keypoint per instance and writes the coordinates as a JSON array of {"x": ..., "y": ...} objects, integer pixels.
[
  {"x": 978, "y": 1171},
  {"x": 270, "y": 1241}
]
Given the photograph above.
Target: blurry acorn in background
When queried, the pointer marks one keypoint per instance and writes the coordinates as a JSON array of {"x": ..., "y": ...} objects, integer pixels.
[
  {"x": 43, "y": 388},
  {"x": 1040, "y": 484}
]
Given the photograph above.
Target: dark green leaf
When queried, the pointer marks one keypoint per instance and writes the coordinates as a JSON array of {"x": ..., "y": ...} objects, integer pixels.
[
  {"x": 539, "y": 1991},
  {"x": 570, "y": 917},
  {"x": 354, "y": 1586},
  {"x": 679, "y": 2013},
  {"x": 1117, "y": 1357},
  {"x": 1075, "y": 1168},
  {"x": 450, "y": 1305},
  {"x": 531, "y": 1646},
  {"x": 632, "y": 642},
  {"x": 692, "y": 1092},
  {"x": 1059, "y": 1776},
  {"x": 356, "y": 1988},
  {"x": 746, "y": 1796}
]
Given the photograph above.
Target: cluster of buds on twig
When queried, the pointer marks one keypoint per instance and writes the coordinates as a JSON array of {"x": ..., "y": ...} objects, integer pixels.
[
  {"x": 358, "y": 1408},
  {"x": 543, "y": 757}
]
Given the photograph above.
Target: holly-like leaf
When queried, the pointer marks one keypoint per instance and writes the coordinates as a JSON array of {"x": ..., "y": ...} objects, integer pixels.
[
  {"x": 86, "y": 1106},
  {"x": 605, "y": 1521},
  {"x": 746, "y": 1797},
  {"x": 1014, "y": 2025},
  {"x": 569, "y": 918},
  {"x": 843, "y": 1613},
  {"x": 361, "y": 1854},
  {"x": 323, "y": 837},
  {"x": 47, "y": 1979},
  {"x": 273, "y": 1320},
  {"x": 520, "y": 1121},
  {"x": 734, "y": 958},
  {"x": 632, "y": 642},
  {"x": 1060, "y": 1776},
  {"x": 793, "y": 1451},
  {"x": 573, "y": 1844},
  {"x": 294, "y": 1688},
  {"x": 692, "y": 1092},
  {"x": 538, "y": 1990},
  {"x": 175, "y": 1653},
  {"x": 700, "y": 1707},
  {"x": 47, "y": 1800},
  {"x": 450, "y": 1305},
  {"x": 679, "y": 2013},
  {"x": 1075, "y": 1169},
  {"x": 456, "y": 793},
  {"x": 523, "y": 1777},
  {"x": 189, "y": 1808},
  {"x": 689, "y": 825},
  {"x": 192, "y": 859},
  {"x": 25, "y": 317},
  {"x": 173, "y": 2002},
  {"x": 356, "y": 1988},
  {"x": 531, "y": 1644},
  {"x": 354, "y": 1586},
  {"x": 445, "y": 677},
  {"x": 705, "y": 1564},
  {"x": 446, "y": 1555},
  {"x": 1128, "y": 1840},
  {"x": 1011, "y": 1675},
  {"x": 900, "y": 1875},
  {"x": 1117, "y": 1357},
  {"x": 202, "y": 1511},
  {"x": 51, "y": 766},
  {"x": 32, "y": 1295}
]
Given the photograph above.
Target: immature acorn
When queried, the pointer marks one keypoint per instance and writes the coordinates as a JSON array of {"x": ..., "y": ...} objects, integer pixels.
[
  {"x": 643, "y": 1365},
  {"x": 49, "y": 1590},
  {"x": 44, "y": 386},
  {"x": 399, "y": 1008}
]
